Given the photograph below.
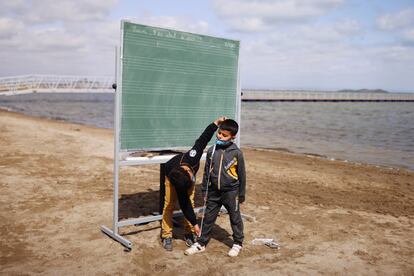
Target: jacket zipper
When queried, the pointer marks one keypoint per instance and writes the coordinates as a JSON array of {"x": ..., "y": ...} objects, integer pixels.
[{"x": 221, "y": 163}]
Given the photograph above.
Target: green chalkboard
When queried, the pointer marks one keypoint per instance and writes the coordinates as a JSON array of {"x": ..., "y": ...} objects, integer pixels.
[{"x": 173, "y": 84}]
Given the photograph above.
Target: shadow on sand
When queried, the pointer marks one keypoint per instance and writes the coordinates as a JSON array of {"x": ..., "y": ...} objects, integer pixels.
[{"x": 147, "y": 203}]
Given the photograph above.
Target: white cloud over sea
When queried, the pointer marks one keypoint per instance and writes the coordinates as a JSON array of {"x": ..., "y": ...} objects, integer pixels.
[
  {"x": 326, "y": 44},
  {"x": 254, "y": 16}
]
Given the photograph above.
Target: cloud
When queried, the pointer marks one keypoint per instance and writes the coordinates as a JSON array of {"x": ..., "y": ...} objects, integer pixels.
[
  {"x": 399, "y": 25},
  {"x": 65, "y": 37},
  {"x": 320, "y": 56},
  {"x": 337, "y": 32},
  {"x": 9, "y": 27},
  {"x": 284, "y": 43},
  {"x": 55, "y": 38},
  {"x": 396, "y": 21},
  {"x": 321, "y": 66},
  {"x": 49, "y": 11},
  {"x": 181, "y": 23},
  {"x": 13, "y": 7},
  {"x": 253, "y": 16},
  {"x": 297, "y": 40},
  {"x": 70, "y": 49},
  {"x": 408, "y": 36}
]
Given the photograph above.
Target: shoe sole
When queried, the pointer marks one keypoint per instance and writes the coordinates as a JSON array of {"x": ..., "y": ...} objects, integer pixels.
[{"x": 189, "y": 254}]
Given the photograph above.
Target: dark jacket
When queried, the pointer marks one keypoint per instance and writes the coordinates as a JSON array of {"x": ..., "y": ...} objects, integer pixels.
[
  {"x": 228, "y": 171},
  {"x": 192, "y": 159}
]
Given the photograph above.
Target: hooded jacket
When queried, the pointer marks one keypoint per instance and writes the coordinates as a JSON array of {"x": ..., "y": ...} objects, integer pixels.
[{"x": 227, "y": 170}]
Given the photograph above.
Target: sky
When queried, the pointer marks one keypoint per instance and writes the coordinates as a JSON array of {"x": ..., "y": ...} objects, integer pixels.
[{"x": 285, "y": 44}]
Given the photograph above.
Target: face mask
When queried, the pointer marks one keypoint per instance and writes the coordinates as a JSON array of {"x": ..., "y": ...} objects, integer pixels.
[{"x": 222, "y": 143}]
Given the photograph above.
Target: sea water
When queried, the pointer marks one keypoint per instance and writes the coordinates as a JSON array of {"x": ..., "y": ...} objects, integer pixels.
[{"x": 379, "y": 133}]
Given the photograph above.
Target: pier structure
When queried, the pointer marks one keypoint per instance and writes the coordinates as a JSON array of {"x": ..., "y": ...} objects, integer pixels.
[
  {"x": 103, "y": 84},
  {"x": 323, "y": 96},
  {"x": 55, "y": 84}
]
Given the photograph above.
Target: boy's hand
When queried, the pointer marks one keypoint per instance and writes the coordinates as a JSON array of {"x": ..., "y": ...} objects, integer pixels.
[
  {"x": 220, "y": 120},
  {"x": 197, "y": 230},
  {"x": 241, "y": 199}
]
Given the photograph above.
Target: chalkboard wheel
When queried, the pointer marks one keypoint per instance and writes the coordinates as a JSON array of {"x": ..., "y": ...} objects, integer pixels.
[{"x": 114, "y": 85}]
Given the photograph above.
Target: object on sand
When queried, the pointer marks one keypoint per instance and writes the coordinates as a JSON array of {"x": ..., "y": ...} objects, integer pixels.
[{"x": 266, "y": 241}]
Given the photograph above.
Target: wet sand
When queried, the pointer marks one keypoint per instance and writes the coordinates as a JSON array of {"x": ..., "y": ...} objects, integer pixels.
[{"x": 330, "y": 217}]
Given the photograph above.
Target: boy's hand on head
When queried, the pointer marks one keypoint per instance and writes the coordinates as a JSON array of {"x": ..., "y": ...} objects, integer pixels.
[{"x": 220, "y": 120}]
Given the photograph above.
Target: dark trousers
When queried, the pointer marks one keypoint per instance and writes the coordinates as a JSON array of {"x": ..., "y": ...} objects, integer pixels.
[{"x": 215, "y": 200}]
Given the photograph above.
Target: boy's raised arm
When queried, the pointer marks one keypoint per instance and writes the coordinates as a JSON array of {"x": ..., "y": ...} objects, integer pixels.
[
  {"x": 205, "y": 137},
  {"x": 194, "y": 155}
]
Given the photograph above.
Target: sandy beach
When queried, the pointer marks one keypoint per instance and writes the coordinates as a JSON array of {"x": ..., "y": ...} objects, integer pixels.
[{"x": 330, "y": 217}]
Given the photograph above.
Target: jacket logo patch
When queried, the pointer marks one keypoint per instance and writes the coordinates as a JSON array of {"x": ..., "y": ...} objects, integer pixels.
[
  {"x": 193, "y": 153},
  {"x": 231, "y": 168}
]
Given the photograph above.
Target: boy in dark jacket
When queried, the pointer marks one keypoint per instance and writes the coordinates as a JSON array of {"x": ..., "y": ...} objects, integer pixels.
[
  {"x": 224, "y": 182},
  {"x": 180, "y": 174}
]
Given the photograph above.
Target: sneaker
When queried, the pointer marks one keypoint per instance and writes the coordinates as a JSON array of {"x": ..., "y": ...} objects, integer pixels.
[
  {"x": 189, "y": 239},
  {"x": 194, "y": 249},
  {"x": 235, "y": 250},
  {"x": 167, "y": 244}
]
